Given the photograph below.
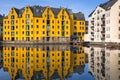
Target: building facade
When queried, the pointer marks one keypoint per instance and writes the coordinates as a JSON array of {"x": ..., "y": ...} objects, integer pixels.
[
  {"x": 104, "y": 22},
  {"x": 1, "y": 27},
  {"x": 42, "y": 24}
]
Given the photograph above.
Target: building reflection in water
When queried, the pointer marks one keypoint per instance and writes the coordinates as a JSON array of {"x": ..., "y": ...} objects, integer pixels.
[
  {"x": 43, "y": 62},
  {"x": 104, "y": 63},
  {"x": 1, "y": 57}
]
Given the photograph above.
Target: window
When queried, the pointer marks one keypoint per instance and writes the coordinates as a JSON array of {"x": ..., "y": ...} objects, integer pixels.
[
  {"x": 58, "y": 27},
  {"x": 37, "y": 20},
  {"x": 43, "y": 21},
  {"x": 66, "y": 27},
  {"x": 16, "y": 27},
  {"x": 37, "y": 32},
  {"x": 52, "y": 32},
  {"x": 23, "y": 32},
  {"x": 43, "y": 26},
  {"x": 37, "y": 38},
  {"x": 22, "y": 26},
  {"x": 66, "y": 22},
  {"x": 118, "y": 62},
  {"x": 16, "y": 32},
  {"x": 27, "y": 15},
  {"x": 75, "y": 27},
  {"x": 12, "y": 22},
  {"x": 75, "y": 33},
  {"x": 119, "y": 36},
  {"x": 53, "y": 27},
  {"x": 58, "y": 32},
  {"x": 79, "y": 33},
  {"x": 74, "y": 22},
  {"x": 37, "y": 26},
  {"x": 27, "y": 21},
  {"x": 16, "y": 21},
  {"x": 66, "y": 32},
  {"x": 43, "y": 32},
  {"x": 80, "y": 23},
  {"x": 12, "y": 33},
  {"x": 31, "y": 32},
  {"x": 22, "y": 21},
  {"x": 12, "y": 27},
  {"x": 119, "y": 54},
  {"x": 12, "y": 17},
  {"x": 52, "y": 21},
  {"x": 27, "y": 27},
  {"x": 27, "y": 33},
  {"x": 31, "y": 26}
]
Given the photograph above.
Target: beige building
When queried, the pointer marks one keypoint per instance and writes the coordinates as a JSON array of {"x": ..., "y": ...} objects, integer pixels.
[{"x": 104, "y": 23}]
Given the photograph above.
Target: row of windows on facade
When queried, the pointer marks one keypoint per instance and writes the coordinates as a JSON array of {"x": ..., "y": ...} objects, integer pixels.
[
  {"x": 108, "y": 21},
  {"x": 46, "y": 49},
  {"x": 37, "y": 38},
  {"x": 44, "y": 21},
  {"x": 38, "y": 49},
  {"x": 37, "y": 26},
  {"x": 28, "y": 33}
]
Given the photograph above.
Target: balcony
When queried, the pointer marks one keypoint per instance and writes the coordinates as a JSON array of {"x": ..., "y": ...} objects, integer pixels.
[
  {"x": 92, "y": 27},
  {"x": 103, "y": 18},
  {"x": 103, "y": 31},
  {"x": 92, "y": 32},
  {"x": 92, "y": 38},
  {"x": 92, "y": 22},
  {"x": 103, "y": 39}
]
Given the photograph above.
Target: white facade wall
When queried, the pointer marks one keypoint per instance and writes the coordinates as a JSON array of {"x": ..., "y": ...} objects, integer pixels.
[{"x": 110, "y": 31}]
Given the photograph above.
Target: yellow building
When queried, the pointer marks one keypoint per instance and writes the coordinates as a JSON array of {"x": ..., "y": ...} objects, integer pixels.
[
  {"x": 42, "y": 24},
  {"x": 48, "y": 62}
]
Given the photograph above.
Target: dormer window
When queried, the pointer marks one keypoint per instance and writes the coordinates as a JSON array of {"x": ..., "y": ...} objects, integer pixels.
[
  {"x": 12, "y": 17},
  {"x": 41, "y": 10},
  {"x": 27, "y": 15},
  {"x": 37, "y": 10}
]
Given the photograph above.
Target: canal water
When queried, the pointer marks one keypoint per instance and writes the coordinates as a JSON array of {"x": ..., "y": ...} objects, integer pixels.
[{"x": 59, "y": 62}]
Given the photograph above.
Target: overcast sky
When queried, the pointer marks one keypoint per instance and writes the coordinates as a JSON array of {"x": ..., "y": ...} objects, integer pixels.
[{"x": 84, "y": 6}]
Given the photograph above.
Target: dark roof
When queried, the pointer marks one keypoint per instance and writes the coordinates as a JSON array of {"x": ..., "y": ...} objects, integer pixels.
[
  {"x": 1, "y": 19},
  {"x": 91, "y": 13},
  {"x": 107, "y": 5},
  {"x": 79, "y": 16},
  {"x": 38, "y": 10},
  {"x": 55, "y": 11}
]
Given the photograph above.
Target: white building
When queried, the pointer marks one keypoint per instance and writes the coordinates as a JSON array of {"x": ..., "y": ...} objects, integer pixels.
[{"x": 104, "y": 23}]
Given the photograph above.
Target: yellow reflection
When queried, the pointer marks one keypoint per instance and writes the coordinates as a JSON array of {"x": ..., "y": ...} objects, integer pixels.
[{"x": 44, "y": 62}]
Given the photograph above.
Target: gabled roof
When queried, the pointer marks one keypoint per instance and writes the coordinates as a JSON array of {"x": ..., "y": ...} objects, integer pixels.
[
  {"x": 1, "y": 18},
  {"x": 55, "y": 11},
  {"x": 107, "y": 5},
  {"x": 37, "y": 10},
  {"x": 79, "y": 16}
]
